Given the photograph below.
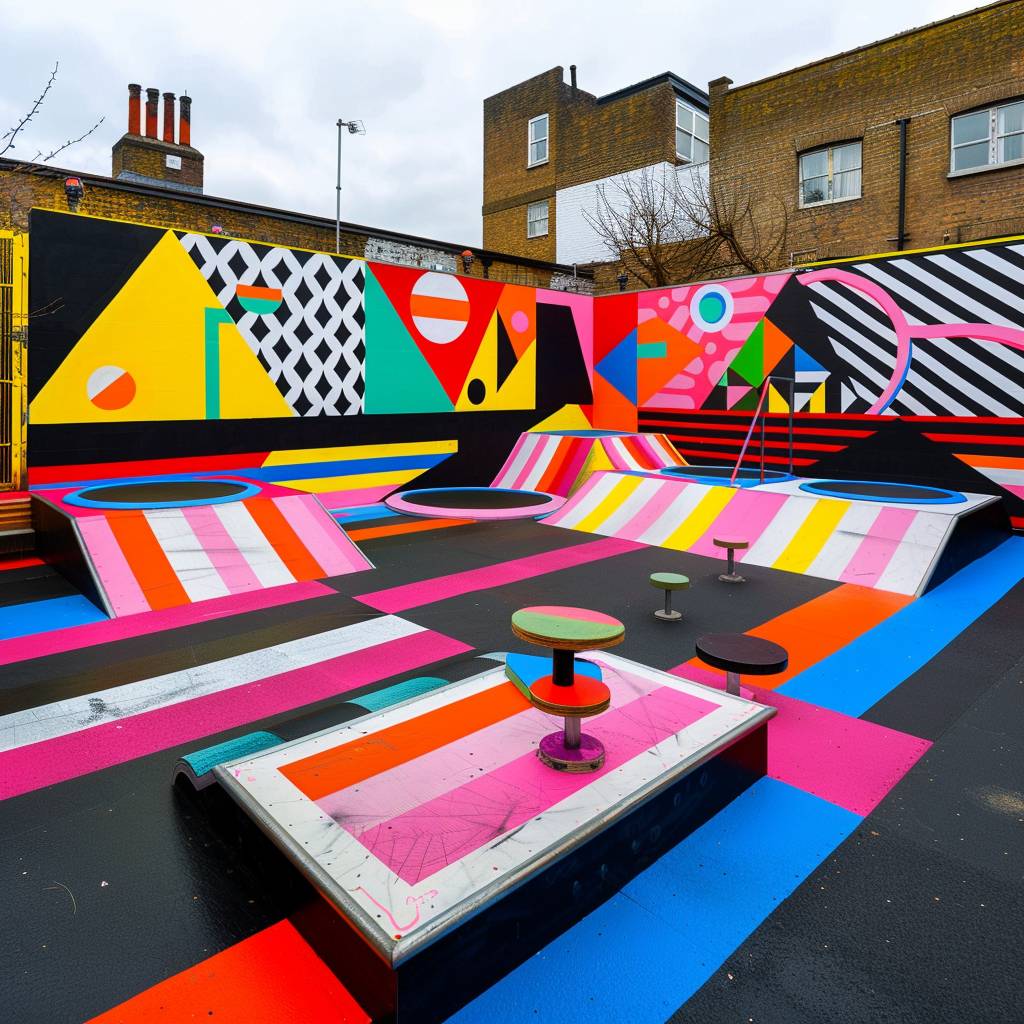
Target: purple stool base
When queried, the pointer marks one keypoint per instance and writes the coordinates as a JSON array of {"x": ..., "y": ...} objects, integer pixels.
[{"x": 587, "y": 757}]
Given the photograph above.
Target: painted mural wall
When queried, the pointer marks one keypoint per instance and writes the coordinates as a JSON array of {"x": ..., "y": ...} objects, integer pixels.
[
  {"x": 154, "y": 349},
  {"x": 155, "y": 345}
]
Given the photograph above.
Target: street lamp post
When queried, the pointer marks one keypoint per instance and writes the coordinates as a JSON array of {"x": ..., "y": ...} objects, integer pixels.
[{"x": 353, "y": 128}]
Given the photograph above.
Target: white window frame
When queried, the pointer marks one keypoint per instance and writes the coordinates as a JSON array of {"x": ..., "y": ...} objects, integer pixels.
[
  {"x": 531, "y": 141},
  {"x": 531, "y": 221},
  {"x": 829, "y": 199},
  {"x": 688, "y": 126},
  {"x": 995, "y": 137}
]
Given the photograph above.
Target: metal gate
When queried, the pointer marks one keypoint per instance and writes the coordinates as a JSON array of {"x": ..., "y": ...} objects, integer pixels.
[{"x": 13, "y": 328}]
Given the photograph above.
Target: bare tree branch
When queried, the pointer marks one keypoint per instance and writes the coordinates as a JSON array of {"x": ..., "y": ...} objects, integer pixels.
[
  {"x": 70, "y": 142},
  {"x": 12, "y": 133}
]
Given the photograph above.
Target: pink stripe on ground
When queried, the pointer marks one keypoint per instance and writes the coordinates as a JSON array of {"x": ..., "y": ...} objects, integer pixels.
[
  {"x": 326, "y": 541},
  {"x": 75, "y": 638},
  {"x": 89, "y": 750},
  {"x": 426, "y": 839},
  {"x": 116, "y": 575},
  {"x": 221, "y": 549},
  {"x": 544, "y": 442},
  {"x": 400, "y": 789},
  {"x": 748, "y": 514},
  {"x": 847, "y": 761},
  {"x": 875, "y": 551},
  {"x": 648, "y": 515},
  {"x": 412, "y": 595},
  {"x": 352, "y": 499},
  {"x": 710, "y": 677}
]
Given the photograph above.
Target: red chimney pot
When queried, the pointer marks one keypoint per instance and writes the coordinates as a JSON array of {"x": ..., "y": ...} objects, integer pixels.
[
  {"x": 185, "y": 121},
  {"x": 168, "y": 117},
  {"x": 152, "y": 101},
  {"x": 134, "y": 109}
]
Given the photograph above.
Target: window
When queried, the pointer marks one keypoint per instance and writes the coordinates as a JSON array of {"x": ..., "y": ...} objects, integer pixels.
[
  {"x": 986, "y": 137},
  {"x": 691, "y": 134},
  {"x": 537, "y": 219},
  {"x": 537, "y": 152},
  {"x": 830, "y": 175}
]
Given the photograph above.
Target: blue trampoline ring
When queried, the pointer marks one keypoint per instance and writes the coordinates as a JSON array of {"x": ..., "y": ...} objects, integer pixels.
[
  {"x": 881, "y": 490},
  {"x": 157, "y": 492}
]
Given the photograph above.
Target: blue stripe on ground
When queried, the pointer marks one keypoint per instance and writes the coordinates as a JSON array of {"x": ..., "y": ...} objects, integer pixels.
[
  {"x": 642, "y": 954},
  {"x": 357, "y": 515},
  {"x": 43, "y": 616},
  {"x": 862, "y": 673}
]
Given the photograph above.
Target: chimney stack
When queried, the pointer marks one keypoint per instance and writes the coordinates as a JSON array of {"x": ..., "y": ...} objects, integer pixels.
[
  {"x": 152, "y": 101},
  {"x": 168, "y": 117},
  {"x": 572, "y": 75},
  {"x": 185, "y": 121},
  {"x": 134, "y": 109}
]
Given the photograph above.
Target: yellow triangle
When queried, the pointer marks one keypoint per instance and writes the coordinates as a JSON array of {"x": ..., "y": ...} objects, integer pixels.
[
  {"x": 817, "y": 402},
  {"x": 776, "y": 403},
  {"x": 153, "y": 330},
  {"x": 520, "y": 388},
  {"x": 569, "y": 417}
]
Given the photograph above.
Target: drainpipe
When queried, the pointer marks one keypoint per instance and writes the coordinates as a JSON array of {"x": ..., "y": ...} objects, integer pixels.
[{"x": 901, "y": 224}]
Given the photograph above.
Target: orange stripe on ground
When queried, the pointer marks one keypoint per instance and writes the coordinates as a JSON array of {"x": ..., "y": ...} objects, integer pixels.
[
  {"x": 437, "y": 308},
  {"x": 272, "y": 977},
  {"x": 562, "y": 452},
  {"x": 415, "y": 527},
  {"x": 820, "y": 627},
  {"x": 147, "y": 560},
  {"x": 284, "y": 540},
  {"x": 992, "y": 461},
  {"x": 332, "y": 770}
]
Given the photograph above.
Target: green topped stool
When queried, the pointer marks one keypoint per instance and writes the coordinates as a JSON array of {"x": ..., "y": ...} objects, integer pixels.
[
  {"x": 567, "y": 692},
  {"x": 669, "y": 581}
]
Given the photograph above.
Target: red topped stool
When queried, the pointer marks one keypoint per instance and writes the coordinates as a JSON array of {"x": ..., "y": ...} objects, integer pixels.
[{"x": 568, "y": 691}]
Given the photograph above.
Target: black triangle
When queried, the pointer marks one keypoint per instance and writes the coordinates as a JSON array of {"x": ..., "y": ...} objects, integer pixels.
[{"x": 506, "y": 355}]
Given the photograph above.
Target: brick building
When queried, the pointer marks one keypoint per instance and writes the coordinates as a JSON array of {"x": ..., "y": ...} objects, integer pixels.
[
  {"x": 817, "y": 149},
  {"x": 157, "y": 179},
  {"x": 825, "y": 139},
  {"x": 550, "y": 147}
]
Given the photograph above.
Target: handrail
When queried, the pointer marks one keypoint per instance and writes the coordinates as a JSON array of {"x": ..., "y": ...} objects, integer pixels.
[{"x": 753, "y": 423}]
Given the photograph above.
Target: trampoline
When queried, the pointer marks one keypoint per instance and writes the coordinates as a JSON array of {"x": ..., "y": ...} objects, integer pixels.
[
  {"x": 748, "y": 476},
  {"x": 161, "y": 493},
  {"x": 475, "y": 502},
  {"x": 880, "y": 490}
]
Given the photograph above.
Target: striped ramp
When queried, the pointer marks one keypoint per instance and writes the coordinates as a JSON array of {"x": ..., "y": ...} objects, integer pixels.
[
  {"x": 147, "y": 559},
  {"x": 561, "y": 463},
  {"x": 867, "y": 543}
]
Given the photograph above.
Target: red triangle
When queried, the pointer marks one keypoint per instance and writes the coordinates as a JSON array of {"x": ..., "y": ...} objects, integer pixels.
[{"x": 450, "y": 362}]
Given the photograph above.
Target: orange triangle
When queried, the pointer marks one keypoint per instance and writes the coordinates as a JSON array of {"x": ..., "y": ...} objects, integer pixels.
[
  {"x": 517, "y": 308},
  {"x": 776, "y": 345},
  {"x": 654, "y": 373}
]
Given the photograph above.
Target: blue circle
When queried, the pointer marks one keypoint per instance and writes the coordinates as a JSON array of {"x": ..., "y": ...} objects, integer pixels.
[
  {"x": 935, "y": 496},
  {"x": 748, "y": 476},
  {"x": 80, "y": 500}
]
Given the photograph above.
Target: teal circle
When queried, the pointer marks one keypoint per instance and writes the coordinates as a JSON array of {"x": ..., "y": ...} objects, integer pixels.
[{"x": 711, "y": 308}]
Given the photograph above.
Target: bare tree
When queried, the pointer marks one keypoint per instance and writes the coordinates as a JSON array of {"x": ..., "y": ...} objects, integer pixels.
[{"x": 666, "y": 227}]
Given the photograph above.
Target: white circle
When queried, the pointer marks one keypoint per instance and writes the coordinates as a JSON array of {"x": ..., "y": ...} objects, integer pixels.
[{"x": 714, "y": 295}]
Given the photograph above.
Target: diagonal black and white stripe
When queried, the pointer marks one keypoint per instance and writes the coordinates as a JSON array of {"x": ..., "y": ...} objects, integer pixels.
[{"x": 948, "y": 376}]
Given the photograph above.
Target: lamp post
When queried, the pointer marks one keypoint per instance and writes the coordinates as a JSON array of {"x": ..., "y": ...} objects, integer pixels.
[{"x": 353, "y": 128}]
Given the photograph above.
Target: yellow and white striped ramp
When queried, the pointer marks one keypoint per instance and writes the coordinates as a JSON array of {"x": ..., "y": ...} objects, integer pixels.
[{"x": 868, "y": 543}]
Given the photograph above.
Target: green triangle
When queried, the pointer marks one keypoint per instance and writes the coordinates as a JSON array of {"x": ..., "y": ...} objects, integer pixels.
[
  {"x": 749, "y": 361},
  {"x": 748, "y": 402},
  {"x": 398, "y": 378}
]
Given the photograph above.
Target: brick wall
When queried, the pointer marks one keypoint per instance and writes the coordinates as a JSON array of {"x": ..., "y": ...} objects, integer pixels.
[{"x": 927, "y": 75}]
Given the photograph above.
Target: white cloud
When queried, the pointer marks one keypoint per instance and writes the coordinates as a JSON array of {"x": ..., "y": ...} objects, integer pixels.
[{"x": 269, "y": 81}]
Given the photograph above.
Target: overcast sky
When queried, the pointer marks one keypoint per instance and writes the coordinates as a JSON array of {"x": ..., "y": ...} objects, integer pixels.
[{"x": 269, "y": 80}]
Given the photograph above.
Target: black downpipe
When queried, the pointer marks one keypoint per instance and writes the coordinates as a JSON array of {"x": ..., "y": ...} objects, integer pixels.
[{"x": 901, "y": 225}]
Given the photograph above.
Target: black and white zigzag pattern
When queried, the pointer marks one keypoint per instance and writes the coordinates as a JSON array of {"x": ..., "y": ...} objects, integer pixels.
[
  {"x": 313, "y": 347},
  {"x": 948, "y": 377}
]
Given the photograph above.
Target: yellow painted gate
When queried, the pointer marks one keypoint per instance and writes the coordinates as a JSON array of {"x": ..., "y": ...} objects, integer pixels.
[{"x": 13, "y": 330}]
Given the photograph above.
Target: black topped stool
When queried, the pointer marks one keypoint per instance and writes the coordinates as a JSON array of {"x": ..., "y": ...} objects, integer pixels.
[
  {"x": 739, "y": 654},
  {"x": 669, "y": 581}
]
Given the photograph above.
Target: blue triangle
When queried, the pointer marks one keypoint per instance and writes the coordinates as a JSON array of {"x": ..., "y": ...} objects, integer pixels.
[
  {"x": 803, "y": 363},
  {"x": 619, "y": 367}
]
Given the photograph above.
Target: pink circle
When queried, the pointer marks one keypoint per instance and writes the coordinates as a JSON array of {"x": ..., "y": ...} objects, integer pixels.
[
  {"x": 520, "y": 321},
  {"x": 710, "y": 347},
  {"x": 663, "y": 302}
]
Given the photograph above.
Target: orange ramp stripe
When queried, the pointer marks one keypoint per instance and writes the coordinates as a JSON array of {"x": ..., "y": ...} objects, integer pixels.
[
  {"x": 332, "y": 770},
  {"x": 820, "y": 627},
  {"x": 147, "y": 560},
  {"x": 269, "y": 978},
  {"x": 562, "y": 451},
  {"x": 284, "y": 540}
]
